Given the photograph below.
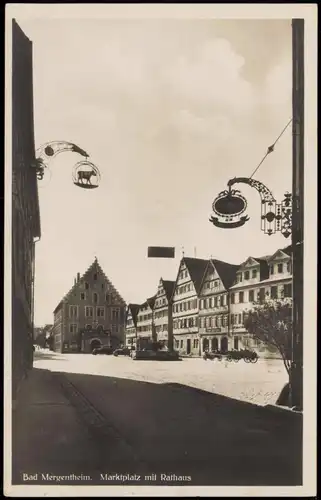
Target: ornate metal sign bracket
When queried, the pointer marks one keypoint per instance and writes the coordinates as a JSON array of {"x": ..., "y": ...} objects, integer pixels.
[
  {"x": 85, "y": 173},
  {"x": 229, "y": 207}
]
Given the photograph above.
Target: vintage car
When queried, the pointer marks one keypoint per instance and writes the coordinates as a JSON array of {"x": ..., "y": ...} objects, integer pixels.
[
  {"x": 122, "y": 351},
  {"x": 102, "y": 350}
]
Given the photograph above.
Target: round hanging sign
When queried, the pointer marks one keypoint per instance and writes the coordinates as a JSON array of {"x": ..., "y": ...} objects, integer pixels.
[
  {"x": 228, "y": 206},
  {"x": 86, "y": 175}
]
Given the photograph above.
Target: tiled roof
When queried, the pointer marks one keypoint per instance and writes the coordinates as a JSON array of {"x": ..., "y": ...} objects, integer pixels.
[
  {"x": 169, "y": 288},
  {"x": 196, "y": 269},
  {"x": 134, "y": 308},
  {"x": 226, "y": 271},
  {"x": 94, "y": 266}
]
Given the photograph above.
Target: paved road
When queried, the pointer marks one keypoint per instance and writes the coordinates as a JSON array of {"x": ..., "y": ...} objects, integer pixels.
[
  {"x": 258, "y": 383},
  {"x": 170, "y": 427}
]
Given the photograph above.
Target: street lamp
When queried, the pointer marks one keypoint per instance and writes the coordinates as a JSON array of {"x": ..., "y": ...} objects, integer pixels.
[
  {"x": 85, "y": 174},
  {"x": 287, "y": 216}
]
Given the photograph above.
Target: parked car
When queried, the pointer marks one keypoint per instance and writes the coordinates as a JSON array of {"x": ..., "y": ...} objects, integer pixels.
[
  {"x": 155, "y": 355},
  {"x": 102, "y": 350},
  {"x": 122, "y": 351}
]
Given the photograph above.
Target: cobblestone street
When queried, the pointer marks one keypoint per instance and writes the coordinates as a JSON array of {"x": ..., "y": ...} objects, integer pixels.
[{"x": 258, "y": 383}]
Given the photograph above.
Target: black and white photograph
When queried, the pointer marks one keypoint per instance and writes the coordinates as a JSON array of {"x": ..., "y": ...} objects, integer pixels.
[{"x": 160, "y": 250}]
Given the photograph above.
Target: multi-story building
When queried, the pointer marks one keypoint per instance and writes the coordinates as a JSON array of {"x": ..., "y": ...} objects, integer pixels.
[
  {"x": 185, "y": 305},
  {"x": 91, "y": 314},
  {"x": 214, "y": 306},
  {"x": 145, "y": 323},
  {"x": 25, "y": 207},
  {"x": 131, "y": 324},
  {"x": 257, "y": 280},
  {"x": 163, "y": 318}
]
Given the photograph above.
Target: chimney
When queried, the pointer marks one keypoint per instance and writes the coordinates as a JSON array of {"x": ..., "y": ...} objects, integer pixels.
[
  {"x": 78, "y": 277},
  {"x": 74, "y": 281}
]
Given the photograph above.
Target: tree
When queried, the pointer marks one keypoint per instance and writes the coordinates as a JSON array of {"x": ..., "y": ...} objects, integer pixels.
[{"x": 271, "y": 323}]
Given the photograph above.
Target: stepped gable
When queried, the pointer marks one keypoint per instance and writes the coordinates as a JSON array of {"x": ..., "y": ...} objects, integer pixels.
[
  {"x": 169, "y": 288},
  {"x": 226, "y": 272},
  {"x": 196, "y": 269},
  {"x": 95, "y": 266}
]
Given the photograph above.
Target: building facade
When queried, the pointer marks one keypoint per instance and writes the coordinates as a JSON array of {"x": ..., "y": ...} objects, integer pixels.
[
  {"x": 90, "y": 315},
  {"x": 258, "y": 280},
  {"x": 185, "y": 305},
  {"x": 214, "y": 307},
  {"x": 25, "y": 207},
  {"x": 163, "y": 317},
  {"x": 145, "y": 324},
  {"x": 131, "y": 324}
]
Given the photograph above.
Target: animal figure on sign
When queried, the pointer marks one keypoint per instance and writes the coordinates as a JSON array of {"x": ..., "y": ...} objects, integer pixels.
[{"x": 85, "y": 175}]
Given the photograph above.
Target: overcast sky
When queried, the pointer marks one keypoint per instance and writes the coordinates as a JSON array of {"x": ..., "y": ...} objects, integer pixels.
[{"x": 169, "y": 111}]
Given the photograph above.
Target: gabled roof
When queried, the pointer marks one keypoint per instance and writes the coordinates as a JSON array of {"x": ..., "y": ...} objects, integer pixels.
[
  {"x": 134, "y": 308},
  {"x": 226, "y": 271},
  {"x": 196, "y": 269},
  {"x": 151, "y": 301},
  {"x": 95, "y": 266},
  {"x": 169, "y": 288}
]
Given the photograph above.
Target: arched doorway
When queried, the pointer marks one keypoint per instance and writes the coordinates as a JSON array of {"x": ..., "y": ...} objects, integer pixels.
[
  {"x": 94, "y": 344},
  {"x": 205, "y": 344},
  {"x": 224, "y": 344},
  {"x": 214, "y": 344}
]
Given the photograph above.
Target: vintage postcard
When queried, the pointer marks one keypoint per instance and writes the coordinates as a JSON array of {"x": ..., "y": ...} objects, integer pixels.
[{"x": 160, "y": 250}]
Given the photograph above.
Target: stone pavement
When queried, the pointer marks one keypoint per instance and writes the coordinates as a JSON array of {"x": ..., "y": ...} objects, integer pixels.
[{"x": 47, "y": 434}]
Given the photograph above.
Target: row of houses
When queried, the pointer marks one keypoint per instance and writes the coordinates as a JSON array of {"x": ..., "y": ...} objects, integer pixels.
[{"x": 203, "y": 308}]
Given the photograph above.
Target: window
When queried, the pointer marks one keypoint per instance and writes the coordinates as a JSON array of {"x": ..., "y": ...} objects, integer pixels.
[
  {"x": 73, "y": 311},
  {"x": 241, "y": 297},
  {"x": 102, "y": 285},
  {"x": 288, "y": 267},
  {"x": 274, "y": 292},
  {"x": 280, "y": 268},
  {"x": 73, "y": 328},
  {"x": 86, "y": 286},
  {"x": 287, "y": 290},
  {"x": 272, "y": 269},
  {"x": 240, "y": 319},
  {"x": 254, "y": 273},
  {"x": 95, "y": 276},
  {"x": 95, "y": 297},
  {"x": 88, "y": 311},
  {"x": 182, "y": 344},
  {"x": 251, "y": 295},
  {"x": 195, "y": 343},
  {"x": 223, "y": 300},
  {"x": 239, "y": 278},
  {"x": 83, "y": 296},
  {"x": 232, "y": 298},
  {"x": 115, "y": 314},
  {"x": 100, "y": 312},
  {"x": 215, "y": 301},
  {"x": 107, "y": 298},
  {"x": 176, "y": 344},
  {"x": 247, "y": 275}
]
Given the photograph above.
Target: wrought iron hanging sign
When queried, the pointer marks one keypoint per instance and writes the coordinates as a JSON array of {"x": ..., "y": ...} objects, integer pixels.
[
  {"x": 84, "y": 171},
  {"x": 229, "y": 207}
]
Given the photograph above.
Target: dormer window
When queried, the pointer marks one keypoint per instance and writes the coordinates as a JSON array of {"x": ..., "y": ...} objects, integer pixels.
[
  {"x": 247, "y": 275},
  {"x": 272, "y": 269},
  {"x": 86, "y": 286},
  {"x": 280, "y": 268},
  {"x": 288, "y": 267},
  {"x": 254, "y": 273},
  {"x": 239, "y": 278}
]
